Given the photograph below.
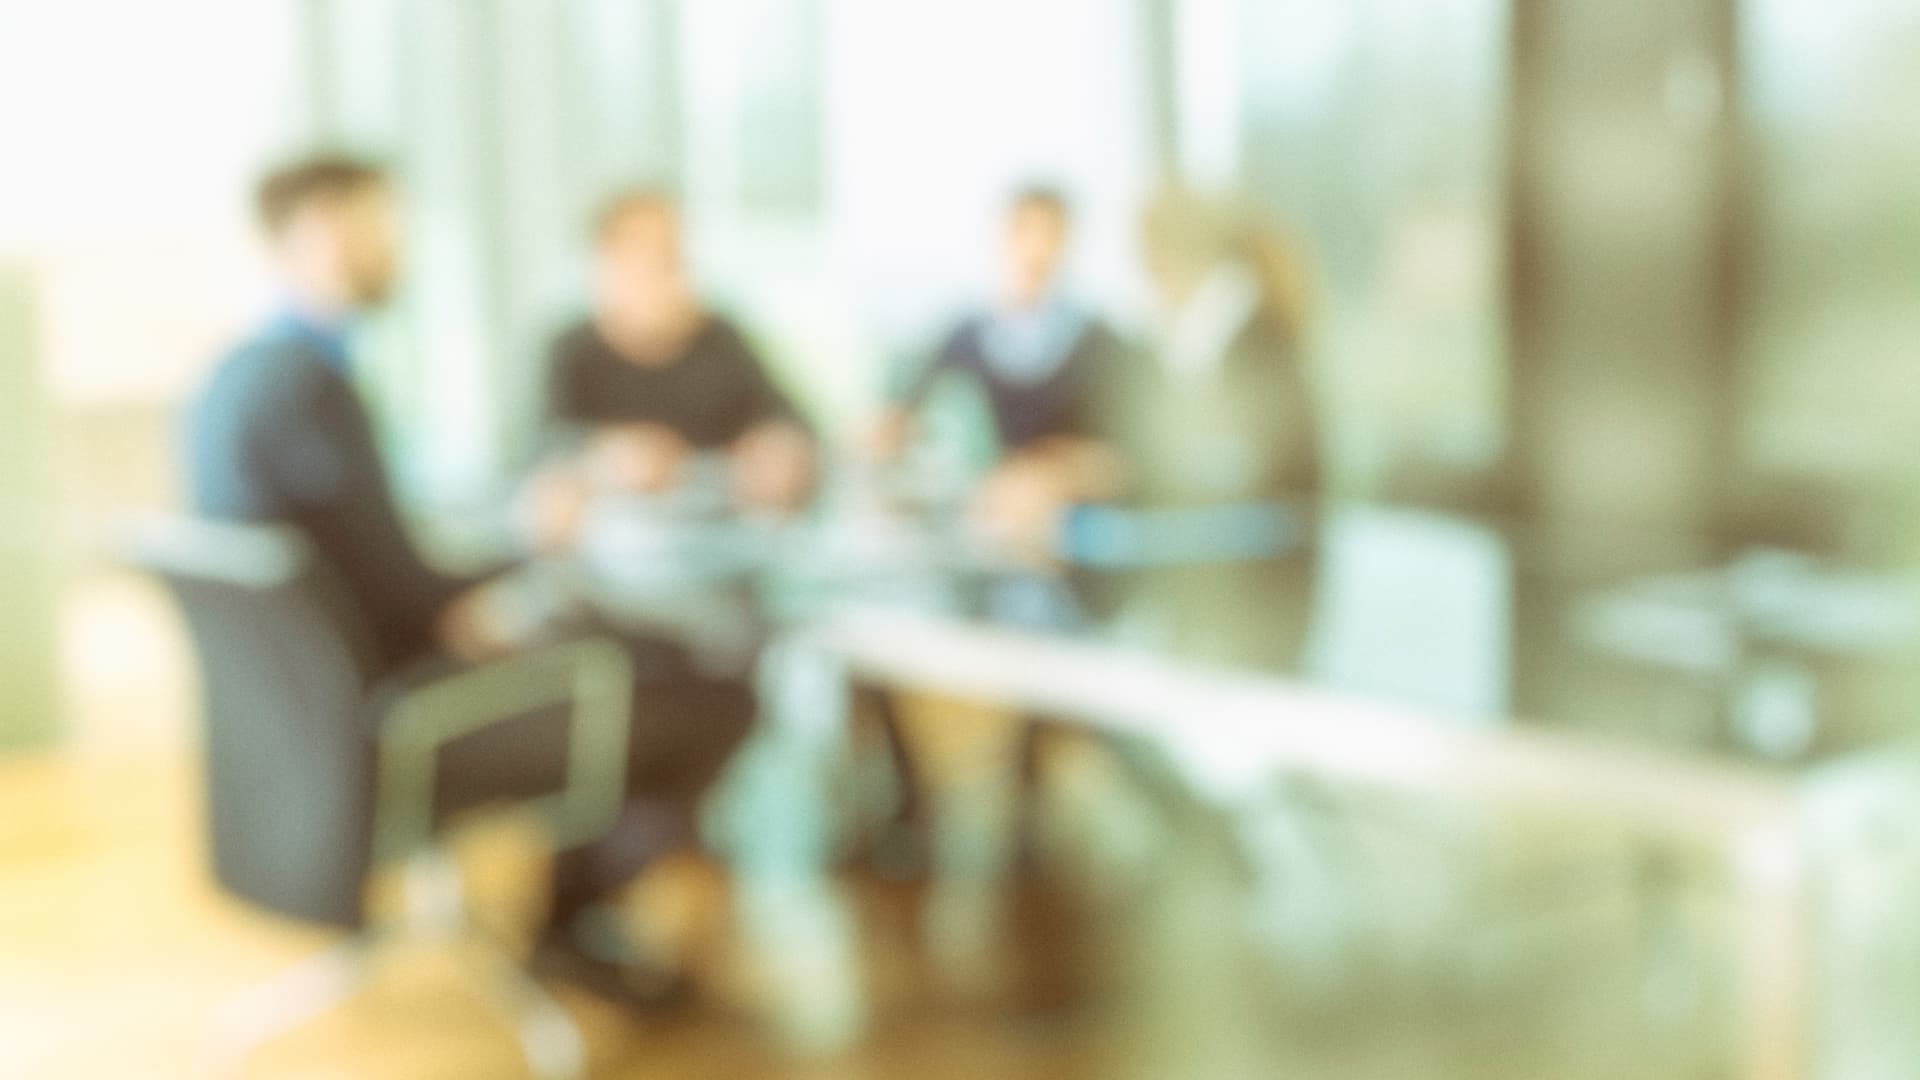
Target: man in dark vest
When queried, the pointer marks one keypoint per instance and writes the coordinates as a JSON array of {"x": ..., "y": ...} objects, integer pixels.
[{"x": 1035, "y": 353}]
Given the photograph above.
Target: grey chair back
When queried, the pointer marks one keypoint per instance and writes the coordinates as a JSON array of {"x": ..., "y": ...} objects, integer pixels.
[{"x": 285, "y": 668}]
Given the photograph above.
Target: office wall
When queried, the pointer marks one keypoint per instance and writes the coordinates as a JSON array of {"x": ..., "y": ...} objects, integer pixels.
[
  {"x": 27, "y": 662},
  {"x": 139, "y": 125},
  {"x": 937, "y": 111},
  {"x": 29, "y": 701}
]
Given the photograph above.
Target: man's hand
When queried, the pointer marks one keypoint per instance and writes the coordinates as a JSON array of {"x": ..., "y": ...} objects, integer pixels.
[
  {"x": 551, "y": 507},
  {"x": 1020, "y": 506},
  {"x": 888, "y": 437},
  {"x": 1090, "y": 470},
  {"x": 475, "y": 627},
  {"x": 1023, "y": 502},
  {"x": 645, "y": 458},
  {"x": 773, "y": 467}
]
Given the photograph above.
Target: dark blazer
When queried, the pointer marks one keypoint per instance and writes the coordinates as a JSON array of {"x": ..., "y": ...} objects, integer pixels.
[{"x": 280, "y": 435}]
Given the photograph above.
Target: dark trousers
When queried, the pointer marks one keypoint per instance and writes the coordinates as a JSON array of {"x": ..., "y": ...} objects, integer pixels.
[{"x": 685, "y": 729}]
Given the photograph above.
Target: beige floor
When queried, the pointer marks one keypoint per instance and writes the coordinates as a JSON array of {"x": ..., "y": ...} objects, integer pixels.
[
  {"x": 114, "y": 950},
  {"x": 115, "y": 947}
]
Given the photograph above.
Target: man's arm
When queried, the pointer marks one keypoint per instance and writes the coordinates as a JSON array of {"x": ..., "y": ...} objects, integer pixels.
[
  {"x": 894, "y": 428},
  {"x": 912, "y": 392},
  {"x": 317, "y": 447},
  {"x": 773, "y": 447}
]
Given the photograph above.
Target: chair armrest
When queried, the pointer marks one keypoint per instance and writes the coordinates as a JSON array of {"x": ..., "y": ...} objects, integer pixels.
[{"x": 594, "y": 675}]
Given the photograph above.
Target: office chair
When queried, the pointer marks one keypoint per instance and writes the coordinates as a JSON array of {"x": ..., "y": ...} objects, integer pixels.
[{"x": 318, "y": 773}]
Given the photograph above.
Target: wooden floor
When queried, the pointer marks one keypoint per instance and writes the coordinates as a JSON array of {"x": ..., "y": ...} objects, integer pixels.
[{"x": 115, "y": 950}]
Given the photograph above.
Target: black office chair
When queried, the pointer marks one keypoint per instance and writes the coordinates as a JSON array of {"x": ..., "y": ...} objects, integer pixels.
[{"x": 316, "y": 773}]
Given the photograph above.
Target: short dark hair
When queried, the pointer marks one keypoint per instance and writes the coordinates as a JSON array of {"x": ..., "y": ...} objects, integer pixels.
[
  {"x": 1041, "y": 196},
  {"x": 627, "y": 201},
  {"x": 287, "y": 189}
]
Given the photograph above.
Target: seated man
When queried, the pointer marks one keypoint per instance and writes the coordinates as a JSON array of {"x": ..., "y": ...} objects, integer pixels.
[
  {"x": 280, "y": 435},
  {"x": 652, "y": 377},
  {"x": 1036, "y": 356},
  {"x": 1041, "y": 362}
]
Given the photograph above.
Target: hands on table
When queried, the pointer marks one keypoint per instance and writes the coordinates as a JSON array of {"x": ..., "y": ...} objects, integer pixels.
[
  {"x": 1022, "y": 504},
  {"x": 476, "y": 627},
  {"x": 772, "y": 467},
  {"x": 1018, "y": 508},
  {"x": 636, "y": 458},
  {"x": 889, "y": 434}
]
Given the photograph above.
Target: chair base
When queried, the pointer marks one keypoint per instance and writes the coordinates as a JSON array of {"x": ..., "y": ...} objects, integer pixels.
[
  {"x": 262, "y": 1014},
  {"x": 435, "y": 913}
]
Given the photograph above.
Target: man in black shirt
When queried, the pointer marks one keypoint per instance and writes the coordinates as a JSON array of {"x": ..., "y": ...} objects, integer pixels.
[
  {"x": 653, "y": 377},
  {"x": 281, "y": 435},
  {"x": 710, "y": 392}
]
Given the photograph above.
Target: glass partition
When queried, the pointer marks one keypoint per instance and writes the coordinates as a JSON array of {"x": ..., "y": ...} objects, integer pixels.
[{"x": 1376, "y": 129}]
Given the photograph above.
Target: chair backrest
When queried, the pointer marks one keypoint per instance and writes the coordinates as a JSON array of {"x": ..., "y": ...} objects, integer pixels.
[{"x": 285, "y": 669}]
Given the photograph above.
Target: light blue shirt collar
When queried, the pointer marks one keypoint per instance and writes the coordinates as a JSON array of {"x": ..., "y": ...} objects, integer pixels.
[
  {"x": 330, "y": 338},
  {"x": 1031, "y": 344}
]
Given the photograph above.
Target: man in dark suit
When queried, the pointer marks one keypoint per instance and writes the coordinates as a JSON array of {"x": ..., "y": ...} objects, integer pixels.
[{"x": 281, "y": 435}]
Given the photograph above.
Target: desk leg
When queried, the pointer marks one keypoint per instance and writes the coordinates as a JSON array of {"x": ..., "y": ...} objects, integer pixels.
[
  {"x": 1775, "y": 949},
  {"x": 798, "y": 920},
  {"x": 968, "y": 760}
]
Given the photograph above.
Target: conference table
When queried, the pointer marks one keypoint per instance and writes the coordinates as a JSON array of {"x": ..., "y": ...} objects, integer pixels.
[{"x": 1620, "y": 682}]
